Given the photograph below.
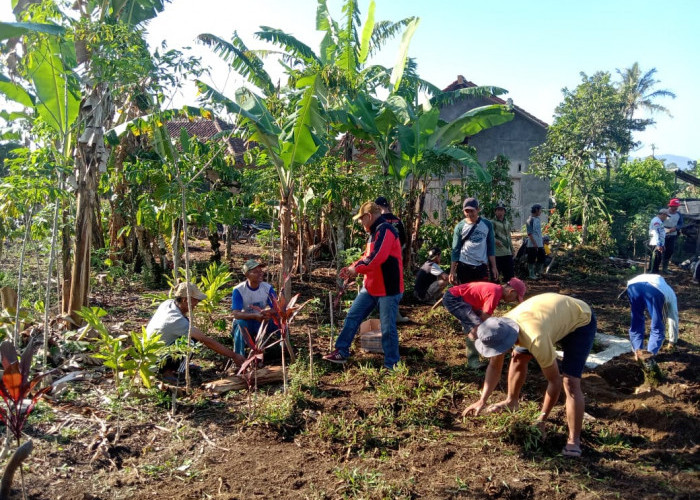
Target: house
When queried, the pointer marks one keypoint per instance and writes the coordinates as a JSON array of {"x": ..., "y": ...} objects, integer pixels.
[{"x": 514, "y": 140}]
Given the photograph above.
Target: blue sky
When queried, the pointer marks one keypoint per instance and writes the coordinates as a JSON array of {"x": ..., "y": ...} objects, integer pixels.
[{"x": 532, "y": 48}]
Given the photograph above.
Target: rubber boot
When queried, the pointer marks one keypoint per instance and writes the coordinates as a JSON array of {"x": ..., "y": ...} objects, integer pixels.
[
  {"x": 538, "y": 270},
  {"x": 531, "y": 270},
  {"x": 473, "y": 360},
  {"x": 664, "y": 267}
]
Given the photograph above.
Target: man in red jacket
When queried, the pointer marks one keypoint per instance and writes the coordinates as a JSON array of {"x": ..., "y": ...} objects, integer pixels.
[{"x": 383, "y": 285}]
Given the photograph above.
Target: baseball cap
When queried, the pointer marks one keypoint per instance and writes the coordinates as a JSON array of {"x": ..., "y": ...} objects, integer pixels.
[
  {"x": 495, "y": 336},
  {"x": 195, "y": 293},
  {"x": 517, "y": 285},
  {"x": 663, "y": 211},
  {"x": 433, "y": 252},
  {"x": 368, "y": 207},
  {"x": 535, "y": 207},
  {"x": 501, "y": 204},
  {"x": 675, "y": 202},
  {"x": 382, "y": 202},
  {"x": 250, "y": 265},
  {"x": 470, "y": 203}
]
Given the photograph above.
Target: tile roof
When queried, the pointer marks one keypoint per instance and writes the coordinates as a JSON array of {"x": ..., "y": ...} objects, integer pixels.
[
  {"x": 204, "y": 129},
  {"x": 462, "y": 83}
]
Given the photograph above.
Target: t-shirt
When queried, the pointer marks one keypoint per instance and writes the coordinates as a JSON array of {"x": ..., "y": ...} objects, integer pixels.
[
  {"x": 481, "y": 244},
  {"x": 546, "y": 319},
  {"x": 249, "y": 300},
  {"x": 657, "y": 234},
  {"x": 481, "y": 295},
  {"x": 426, "y": 276},
  {"x": 169, "y": 322},
  {"x": 673, "y": 220},
  {"x": 252, "y": 300},
  {"x": 534, "y": 228}
]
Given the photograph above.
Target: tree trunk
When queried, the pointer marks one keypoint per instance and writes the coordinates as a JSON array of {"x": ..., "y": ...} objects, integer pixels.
[
  {"x": 229, "y": 242},
  {"x": 65, "y": 260},
  {"x": 90, "y": 159},
  {"x": 288, "y": 244},
  {"x": 98, "y": 239},
  {"x": 175, "y": 245}
]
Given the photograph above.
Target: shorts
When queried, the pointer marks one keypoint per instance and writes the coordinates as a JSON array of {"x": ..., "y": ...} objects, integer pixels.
[{"x": 576, "y": 346}]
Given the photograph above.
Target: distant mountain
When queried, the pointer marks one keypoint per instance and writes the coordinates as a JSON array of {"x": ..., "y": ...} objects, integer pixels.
[{"x": 680, "y": 161}]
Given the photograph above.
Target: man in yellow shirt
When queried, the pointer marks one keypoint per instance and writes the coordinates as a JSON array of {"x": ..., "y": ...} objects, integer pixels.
[{"x": 534, "y": 327}]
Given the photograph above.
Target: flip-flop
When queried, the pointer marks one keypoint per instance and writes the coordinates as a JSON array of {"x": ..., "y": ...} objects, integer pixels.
[{"x": 571, "y": 451}]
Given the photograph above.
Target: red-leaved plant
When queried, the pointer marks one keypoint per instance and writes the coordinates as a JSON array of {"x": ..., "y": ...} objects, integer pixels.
[{"x": 15, "y": 387}]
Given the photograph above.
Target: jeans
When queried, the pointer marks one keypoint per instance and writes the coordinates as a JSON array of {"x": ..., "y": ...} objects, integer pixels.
[
  {"x": 361, "y": 307},
  {"x": 461, "y": 310},
  {"x": 645, "y": 296}
]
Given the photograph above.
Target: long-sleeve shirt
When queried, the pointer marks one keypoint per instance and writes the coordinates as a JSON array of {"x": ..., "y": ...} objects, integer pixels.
[
  {"x": 657, "y": 233},
  {"x": 670, "y": 300},
  {"x": 501, "y": 231},
  {"x": 480, "y": 245}
]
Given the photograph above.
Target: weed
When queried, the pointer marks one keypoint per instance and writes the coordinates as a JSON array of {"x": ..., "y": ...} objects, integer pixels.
[
  {"x": 611, "y": 440},
  {"x": 367, "y": 484},
  {"x": 517, "y": 427}
]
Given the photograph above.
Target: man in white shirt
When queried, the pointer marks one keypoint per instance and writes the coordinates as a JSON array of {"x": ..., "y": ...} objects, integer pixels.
[
  {"x": 657, "y": 240},
  {"x": 651, "y": 292}
]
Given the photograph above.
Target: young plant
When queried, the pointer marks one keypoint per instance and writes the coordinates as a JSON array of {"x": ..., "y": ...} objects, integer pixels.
[
  {"x": 16, "y": 386},
  {"x": 143, "y": 356}
]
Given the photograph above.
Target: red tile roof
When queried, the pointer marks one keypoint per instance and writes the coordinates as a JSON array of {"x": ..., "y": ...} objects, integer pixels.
[{"x": 204, "y": 129}]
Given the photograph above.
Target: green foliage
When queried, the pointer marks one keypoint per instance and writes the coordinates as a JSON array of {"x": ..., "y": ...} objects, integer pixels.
[
  {"x": 356, "y": 483},
  {"x": 500, "y": 188},
  {"x": 136, "y": 360}
]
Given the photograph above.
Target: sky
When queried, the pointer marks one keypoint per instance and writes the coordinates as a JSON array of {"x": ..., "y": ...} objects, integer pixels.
[{"x": 533, "y": 48}]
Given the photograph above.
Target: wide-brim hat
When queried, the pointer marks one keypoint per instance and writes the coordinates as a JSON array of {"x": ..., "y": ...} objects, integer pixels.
[
  {"x": 495, "y": 336},
  {"x": 195, "y": 293}
]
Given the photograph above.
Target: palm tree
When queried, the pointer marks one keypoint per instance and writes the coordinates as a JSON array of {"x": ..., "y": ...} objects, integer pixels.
[{"x": 639, "y": 94}]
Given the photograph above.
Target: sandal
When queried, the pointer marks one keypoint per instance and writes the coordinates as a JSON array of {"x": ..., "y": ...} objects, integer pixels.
[{"x": 572, "y": 451}]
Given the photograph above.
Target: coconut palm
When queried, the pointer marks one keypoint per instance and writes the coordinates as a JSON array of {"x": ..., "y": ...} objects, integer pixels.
[{"x": 638, "y": 91}]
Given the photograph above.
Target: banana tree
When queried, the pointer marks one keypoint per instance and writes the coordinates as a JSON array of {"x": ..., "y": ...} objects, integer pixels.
[
  {"x": 46, "y": 89},
  {"x": 289, "y": 142}
]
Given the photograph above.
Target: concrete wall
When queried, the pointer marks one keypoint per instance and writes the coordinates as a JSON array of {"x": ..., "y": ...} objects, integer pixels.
[{"x": 514, "y": 140}]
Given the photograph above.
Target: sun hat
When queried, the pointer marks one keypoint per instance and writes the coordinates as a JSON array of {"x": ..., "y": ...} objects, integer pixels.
[
  {"x": 195, "y": 293},
  {"x": 250, "y": 265},
  {"x": 517, "y": 285},
  {"x": 495, "y": 336},
  {"x": 368, "y": 207},
  {"x": 470, "y": 203},
  {"x": 382, "y": 202},
  {"x": 675, "y": 202}
]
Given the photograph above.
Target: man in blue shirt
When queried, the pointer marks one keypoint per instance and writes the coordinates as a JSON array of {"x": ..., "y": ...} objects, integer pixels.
[{"x": 251, "y": 301}]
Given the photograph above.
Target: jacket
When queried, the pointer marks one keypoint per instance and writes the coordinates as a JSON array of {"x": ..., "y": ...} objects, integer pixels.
[{"x": 382, "y": 263}]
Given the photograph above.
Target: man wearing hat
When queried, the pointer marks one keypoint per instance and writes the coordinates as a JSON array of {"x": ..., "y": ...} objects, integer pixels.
[
  {"x": 504, "y": 245},
  {"x": 473, "y": 303},
  {"x": 535, "y": 244},
  {"x": 657, "y": 240},
  {"x": 251, "y": 301},
  {"x": 171, "y": 321},
  {"x": 473, "y": 247},
  {"x": 382, "y": 266},
  {"x": 534, "y": 327},
  {"x": 430, "y": 279},
  {"x": 672, "y": 226}
]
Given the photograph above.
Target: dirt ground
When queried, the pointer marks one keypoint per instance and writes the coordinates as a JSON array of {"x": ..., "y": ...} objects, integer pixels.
[{"x": 359, "y": 432}]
